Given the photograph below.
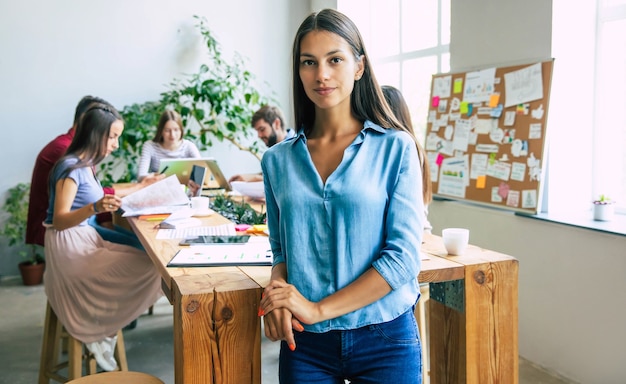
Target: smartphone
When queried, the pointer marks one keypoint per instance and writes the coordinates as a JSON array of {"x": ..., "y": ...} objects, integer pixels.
[{"x": 216, "y": 239}]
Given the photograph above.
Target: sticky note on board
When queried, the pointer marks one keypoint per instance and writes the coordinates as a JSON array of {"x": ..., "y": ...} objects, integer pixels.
[
  {"x": 464, "y": 107},
  {"x": 503, "y": 190},
  {"x": 439, "y": 159},
  {"x": 493, "y": 100},
  {"x": 470, "y": 109},
  {"x": 458, "y": 85},
  {"x": 522, "y": 109},
  {"x": 496, "y": 111},
  {"x": 435, "y": 101},
  {"x": 481, "y": 181}
]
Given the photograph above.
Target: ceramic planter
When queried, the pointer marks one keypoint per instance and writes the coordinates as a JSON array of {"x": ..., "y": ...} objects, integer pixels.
[{"x": 603, "y": 212}]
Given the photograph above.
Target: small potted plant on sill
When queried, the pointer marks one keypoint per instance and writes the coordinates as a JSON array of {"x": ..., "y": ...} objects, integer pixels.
[
  {"x": 603, "y": 208},
  {"x": 14, "y": 229}
]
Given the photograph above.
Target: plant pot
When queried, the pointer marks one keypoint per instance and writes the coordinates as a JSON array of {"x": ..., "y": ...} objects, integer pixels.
[
  {"x": 32, "y": 274},
  {"x": 603, "y": 212}
]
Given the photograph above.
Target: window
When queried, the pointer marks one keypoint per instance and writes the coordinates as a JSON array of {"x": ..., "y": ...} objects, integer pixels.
[
  {"x": 609, "y": 146},
  {"x": 407, "y": 41},
  {"x": 587, "y": 154}
]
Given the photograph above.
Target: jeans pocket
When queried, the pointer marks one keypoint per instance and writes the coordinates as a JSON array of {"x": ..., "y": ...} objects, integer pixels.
[{"x": 401, "y": 330}]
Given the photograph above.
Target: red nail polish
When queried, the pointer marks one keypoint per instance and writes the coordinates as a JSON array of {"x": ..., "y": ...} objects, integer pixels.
[
  {"x": 261, "y": 312},
  {"x": 292, "y": 347}
]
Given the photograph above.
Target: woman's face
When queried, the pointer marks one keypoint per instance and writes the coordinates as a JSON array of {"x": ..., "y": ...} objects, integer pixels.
[
  {"x": 114, "y": 136},
  {"x": 172, "y": 133},
  {"x": 328, "y": 69}
]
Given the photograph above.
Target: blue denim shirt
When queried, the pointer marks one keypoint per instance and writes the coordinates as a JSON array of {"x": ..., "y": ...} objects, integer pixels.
[{"x": 368, "y": 214}]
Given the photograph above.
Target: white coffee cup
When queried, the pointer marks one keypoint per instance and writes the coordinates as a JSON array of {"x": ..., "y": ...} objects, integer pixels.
[
  {"x": 455, "y": 240},
  {"x": 200, "y": 203}
]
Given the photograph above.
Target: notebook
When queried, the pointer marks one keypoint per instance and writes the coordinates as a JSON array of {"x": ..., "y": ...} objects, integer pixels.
[{"x": 182, "y": 168}]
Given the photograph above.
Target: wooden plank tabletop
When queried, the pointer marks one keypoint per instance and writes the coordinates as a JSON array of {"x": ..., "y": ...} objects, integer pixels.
[{"x": 437, "y": 266}]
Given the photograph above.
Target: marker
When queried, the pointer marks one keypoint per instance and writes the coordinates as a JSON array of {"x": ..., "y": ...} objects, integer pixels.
[{"x": 164, "y": 169}]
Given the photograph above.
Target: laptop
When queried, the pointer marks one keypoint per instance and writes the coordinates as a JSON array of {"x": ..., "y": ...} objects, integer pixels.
[{"x": 183, "y": 168}]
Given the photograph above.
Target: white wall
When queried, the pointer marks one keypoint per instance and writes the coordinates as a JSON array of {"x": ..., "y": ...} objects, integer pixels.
[
  {"x": 571, "y": 280},
  {"x": 53, "y": 53}
]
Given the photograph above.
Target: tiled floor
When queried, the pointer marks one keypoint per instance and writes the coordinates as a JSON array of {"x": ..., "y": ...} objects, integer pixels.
[{"x": 148, "y": 346}]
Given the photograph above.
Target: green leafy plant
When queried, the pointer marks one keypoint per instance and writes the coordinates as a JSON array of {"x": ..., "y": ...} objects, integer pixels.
[
  {"x": 603, "y": 200},
  {"x": 238, "y": 212},
  {"x": 16, "y": 206},
  {"x": 216, "y": 103}
]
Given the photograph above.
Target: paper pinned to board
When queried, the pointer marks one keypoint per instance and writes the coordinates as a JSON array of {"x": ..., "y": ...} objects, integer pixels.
[{"x": 164, "y": 196}]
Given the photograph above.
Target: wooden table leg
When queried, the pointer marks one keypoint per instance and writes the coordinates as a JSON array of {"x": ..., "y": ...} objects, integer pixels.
[
  {"x": 446, "y": 321},
  {"x": 474, "y": 326},
  {"x": 491, "y": 315},
  {"x": 217, "y": 332}
]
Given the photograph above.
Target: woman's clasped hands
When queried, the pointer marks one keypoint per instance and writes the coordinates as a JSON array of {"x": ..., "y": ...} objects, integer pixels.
[{"x": 284, "y": 309}]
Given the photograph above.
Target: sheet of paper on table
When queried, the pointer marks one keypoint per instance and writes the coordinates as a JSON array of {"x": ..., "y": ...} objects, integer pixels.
[
  {"x": 181, "y": 219},
  {"x": 207, "y": 230},
  {"x": 256, "y": 251},
  {"x": 164, "y": 196},
  {"x": 254, "y": 190}
]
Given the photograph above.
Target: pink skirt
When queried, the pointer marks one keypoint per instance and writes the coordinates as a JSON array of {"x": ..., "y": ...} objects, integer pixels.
[{"x": 96, "y": 287}]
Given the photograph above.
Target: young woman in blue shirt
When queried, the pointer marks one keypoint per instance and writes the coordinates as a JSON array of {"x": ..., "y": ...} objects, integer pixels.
[{"x": 345, "y": 218}]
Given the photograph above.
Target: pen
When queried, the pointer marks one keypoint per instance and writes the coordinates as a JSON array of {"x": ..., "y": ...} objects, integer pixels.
[{"x": 164, "y": 169}]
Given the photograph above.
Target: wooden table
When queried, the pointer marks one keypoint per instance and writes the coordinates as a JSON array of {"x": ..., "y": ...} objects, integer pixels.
[{"x": 217, "y": 334}]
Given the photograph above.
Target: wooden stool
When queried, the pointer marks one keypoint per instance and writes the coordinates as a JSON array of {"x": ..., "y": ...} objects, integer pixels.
[
  {"x": 53, "y": 336},
  {"x": 421, "y": 315},
  {"x": 118, "y": 377}
]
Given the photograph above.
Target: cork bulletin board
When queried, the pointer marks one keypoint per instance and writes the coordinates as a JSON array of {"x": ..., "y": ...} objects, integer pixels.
[{"x": 486, "y": 135}]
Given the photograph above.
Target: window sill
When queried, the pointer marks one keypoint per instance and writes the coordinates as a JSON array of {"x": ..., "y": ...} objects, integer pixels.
[{"x": 584, "y": 219}]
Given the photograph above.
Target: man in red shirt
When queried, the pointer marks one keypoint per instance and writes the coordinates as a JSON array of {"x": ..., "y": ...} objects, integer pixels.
[{"x": 39, "y": 196}]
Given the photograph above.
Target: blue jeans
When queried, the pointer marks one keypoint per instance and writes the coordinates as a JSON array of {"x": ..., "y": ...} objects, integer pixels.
[
  {"x": 118, "y": 235},
  {"x": 378, "y": 354}
]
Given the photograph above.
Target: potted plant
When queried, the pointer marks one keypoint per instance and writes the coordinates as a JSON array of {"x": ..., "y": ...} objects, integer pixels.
[
  {"x": 14, "y": 229},
  {"x": 603, "y": 208},
  {"x": 238, "y": 212},
  {"x": 216, "y": 104}
]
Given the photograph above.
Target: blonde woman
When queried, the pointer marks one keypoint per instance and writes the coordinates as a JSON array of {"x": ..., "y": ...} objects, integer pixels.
[{"x": 168, "y": 143}]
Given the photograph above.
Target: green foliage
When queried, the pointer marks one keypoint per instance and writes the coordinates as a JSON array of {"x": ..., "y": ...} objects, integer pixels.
[
  {"x": 238, "y": 212},
  {"x": 16, "y": 205},
  {"x": 216, "y": 103},
  {"x": 603, "y": 199}
]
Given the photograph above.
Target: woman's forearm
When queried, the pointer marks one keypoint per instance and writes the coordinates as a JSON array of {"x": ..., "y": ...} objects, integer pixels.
[
  {"x": 368, "y": 288},
  {"x": 69, "y": 219}
]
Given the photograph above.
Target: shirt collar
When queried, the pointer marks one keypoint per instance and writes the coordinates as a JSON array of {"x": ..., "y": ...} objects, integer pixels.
[{"x": 366, "y": 125}]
